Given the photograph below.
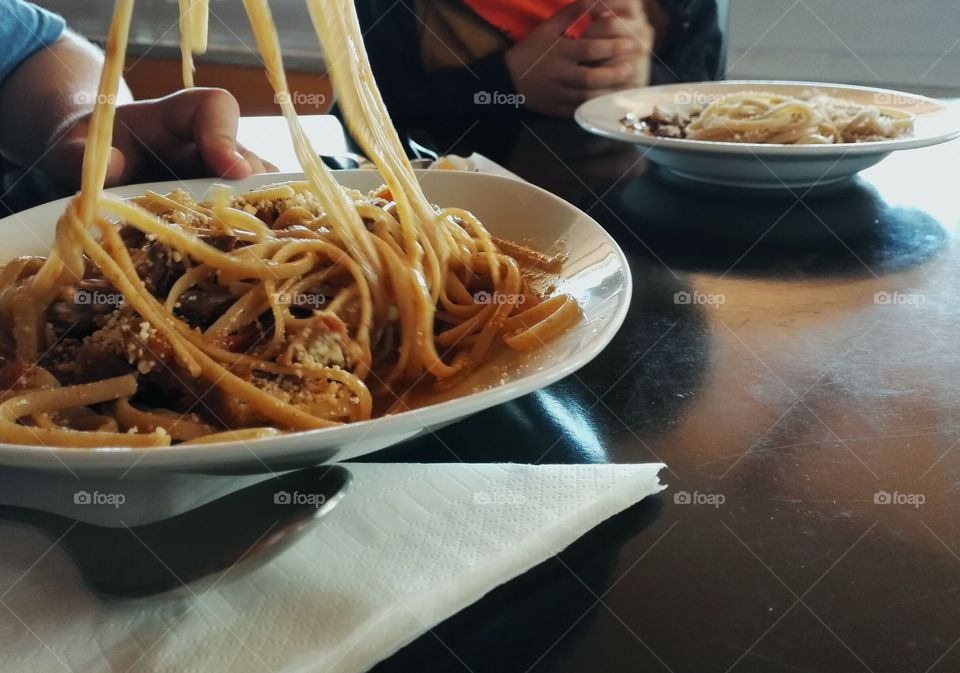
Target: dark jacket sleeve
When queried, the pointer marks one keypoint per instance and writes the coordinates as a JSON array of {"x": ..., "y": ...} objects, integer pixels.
[
  {"x": 695, "y": 46},
  {"x": 412, "y": 93}
]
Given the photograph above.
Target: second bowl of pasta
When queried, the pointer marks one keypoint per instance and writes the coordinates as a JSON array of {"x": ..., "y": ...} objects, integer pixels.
[{"x": 769, "y": 134}]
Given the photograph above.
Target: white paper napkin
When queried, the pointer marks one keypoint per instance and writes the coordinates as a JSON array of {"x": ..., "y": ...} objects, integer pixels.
[{"x": 408, "y": 547}]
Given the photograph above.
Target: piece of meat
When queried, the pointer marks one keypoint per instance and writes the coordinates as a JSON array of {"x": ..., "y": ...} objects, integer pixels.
[
  {"x": 95, "y": 362},
  {"x": 129, "y": 339},
  {"x": 322, "y": 343},
  {"x": 61, "y": 360},
  {"x": 662, "y": 122},
  {"x": 158, "y": 266},
  {"x": 78, "y": 309},
  {"x": 201, "y": 307},
  {"x": 172, "y": 387},
  {"x": 132, "y": 237},
  {"x": 313, "y": 395},
  {"x": 244, "y": 339},
  {"x": 665, "y": 116},
  {"x": 223, "y": 243}
]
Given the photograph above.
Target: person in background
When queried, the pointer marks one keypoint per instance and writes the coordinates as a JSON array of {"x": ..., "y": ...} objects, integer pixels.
[
  {"x": 440, "y": 59},
  {"x": 48, "y": 86}
]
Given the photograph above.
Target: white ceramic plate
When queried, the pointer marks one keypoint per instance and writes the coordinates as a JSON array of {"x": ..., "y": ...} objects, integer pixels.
[
  {"x": 596, "y": 273},
  {"x": 764, "y": 166}
]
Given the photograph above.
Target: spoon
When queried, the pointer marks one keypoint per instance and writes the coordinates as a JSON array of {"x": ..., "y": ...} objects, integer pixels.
[{"x": 247, "y": 527}]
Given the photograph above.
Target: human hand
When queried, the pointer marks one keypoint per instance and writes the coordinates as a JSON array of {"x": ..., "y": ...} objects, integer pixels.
[
  {"x": 187, "y": 134},
  {"x": 626, "y": 19},
  {"x": 555, "y": 74}
]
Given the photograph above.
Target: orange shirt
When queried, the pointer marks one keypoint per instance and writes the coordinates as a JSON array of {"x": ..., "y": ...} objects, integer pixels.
[{"x": 516, "y": 18}]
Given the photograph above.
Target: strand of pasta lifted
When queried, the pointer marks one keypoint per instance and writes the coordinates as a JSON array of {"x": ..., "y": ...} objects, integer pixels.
[{"x": 296, "y": 306}]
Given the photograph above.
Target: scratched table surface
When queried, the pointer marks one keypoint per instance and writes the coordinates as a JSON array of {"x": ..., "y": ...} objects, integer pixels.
[{"x": 794, "y": 360}]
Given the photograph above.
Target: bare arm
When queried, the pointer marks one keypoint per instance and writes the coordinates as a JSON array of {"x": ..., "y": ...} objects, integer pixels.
[{"x": 46, "y": 94}]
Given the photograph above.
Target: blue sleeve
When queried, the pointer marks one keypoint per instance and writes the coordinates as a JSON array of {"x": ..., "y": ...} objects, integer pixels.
[{"x": 24, "y": 30}]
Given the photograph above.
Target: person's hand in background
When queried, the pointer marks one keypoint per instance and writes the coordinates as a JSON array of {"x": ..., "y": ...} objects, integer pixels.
[
  {"x": 187, "y": 134},
  {"x": 555, "y": 73},
  {"x": 625, "y": 19}
]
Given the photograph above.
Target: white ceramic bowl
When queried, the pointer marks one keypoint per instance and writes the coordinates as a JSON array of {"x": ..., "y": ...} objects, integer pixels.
[
  {"x": 764, "y": 166},
  {"x": 596, "y": 274}
]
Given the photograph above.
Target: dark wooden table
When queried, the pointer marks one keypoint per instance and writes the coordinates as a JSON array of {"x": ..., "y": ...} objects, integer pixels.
[
  {"x": 794, "y": 360},
  {"x": 806, "y": 400}
]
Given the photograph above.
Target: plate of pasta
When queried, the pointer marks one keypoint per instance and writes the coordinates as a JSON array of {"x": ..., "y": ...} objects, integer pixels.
[
  {"x": 297, "y": 358},
  {"x": 769, "y": 134},
  {"x": 285, "y": 320}
]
